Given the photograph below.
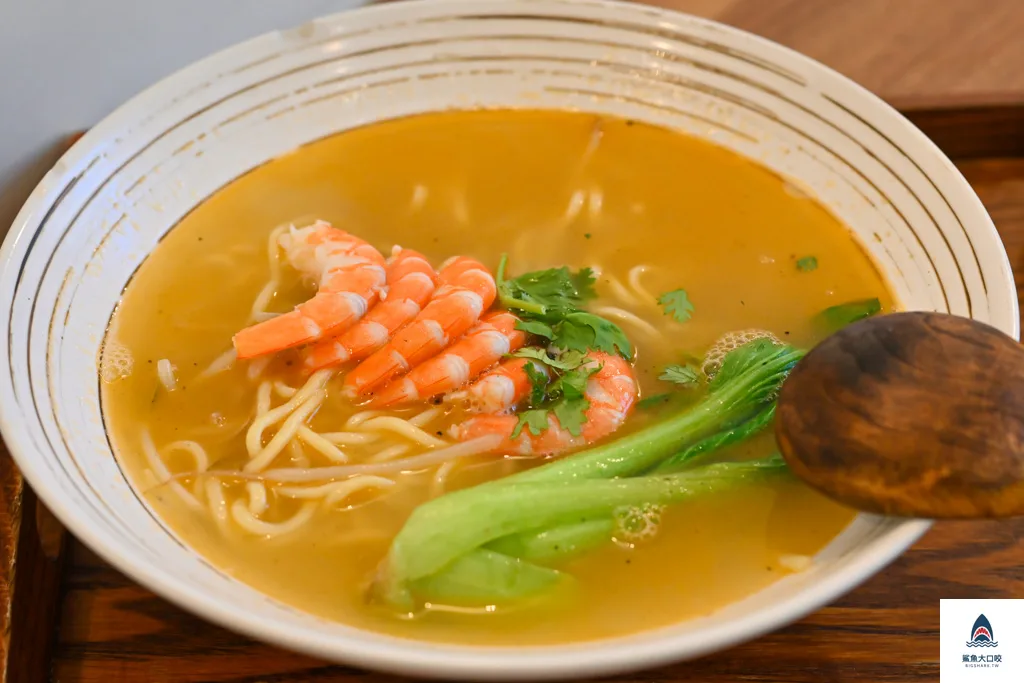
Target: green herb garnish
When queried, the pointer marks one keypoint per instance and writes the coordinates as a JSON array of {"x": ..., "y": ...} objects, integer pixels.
[
  {"x": 536, "y": 327},
  {"x": 550, "y": 304},
  {"x": 545, "y": 292},
  {"x": 807, "y": 264},
  {"x": 837, "y": 317},
  {"x": 683, "y": 375},
  {"x": 535, "y": 419},
  {"x": 538, "y": 383},
  {"x": 562, "y": 397},
  {"x": 568, "y": 360},
  {"x": 677, "y": 304}
]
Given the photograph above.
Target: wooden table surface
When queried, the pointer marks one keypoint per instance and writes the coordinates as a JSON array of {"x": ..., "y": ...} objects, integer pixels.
[{"x": 912, "y": 52}]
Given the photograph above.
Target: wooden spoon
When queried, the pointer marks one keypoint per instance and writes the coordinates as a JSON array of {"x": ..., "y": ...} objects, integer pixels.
[{"x": 910, "y": 414}]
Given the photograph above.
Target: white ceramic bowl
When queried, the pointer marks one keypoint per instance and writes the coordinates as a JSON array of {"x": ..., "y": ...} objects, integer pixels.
[{"x": 97, "y": 214}]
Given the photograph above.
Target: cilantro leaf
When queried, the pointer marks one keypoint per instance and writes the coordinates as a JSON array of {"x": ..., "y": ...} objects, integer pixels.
[
  {"x": 549, "y": 302},
  {"x": 603, "y": 335},
  {"x": 565, "y": 397},
  {"x": 570, "y": 360},
  {"x": 654, "y": 400},
  {"x": 545, "y": 292},
  {"x": 806, "y": 264},
  {"x": 684, "y": 375},
  {"x": 538, "y": 383},
  {"x": 677, "y": 304},
  {"x": 535, "y": 420},
  {"x": 574, "y": 337},
  {"x": 571, "y": 414},
  {"x": 573, "y": 384},
  {"x": 584, "y": 280},
  {"x": 536, "y": 327}
]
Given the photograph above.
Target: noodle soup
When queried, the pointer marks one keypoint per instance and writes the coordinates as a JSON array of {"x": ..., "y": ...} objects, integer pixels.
[{"x": 288, "y": 478}]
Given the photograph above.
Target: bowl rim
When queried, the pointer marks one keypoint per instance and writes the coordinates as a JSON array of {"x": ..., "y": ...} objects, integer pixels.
[{"x": 422, "y": 658}]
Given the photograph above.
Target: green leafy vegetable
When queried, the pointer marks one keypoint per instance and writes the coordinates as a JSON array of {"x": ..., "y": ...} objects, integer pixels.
[
  {"x": 726, "y": 437},
  {"x": 546, "y": 292},
  {"x": 563, "y": 397},
  {"x": 538, "y": 383},
  {"x": 581, "y": 331},
  {"x": 445, "y": 531},
  {"x": 549, "y": 303},
  {"x": 807, "y": 264},
  {"x": 837, "y": 317},
  {"x": 749, "y": 377},
  {"x": 556, "y": 544},
  {"x": 683, "y": 375},
  {"x": 535, "y": 419},
  {"x": 653, "y": 401},
  {"x": 591, "y": 484},
  {"x": 572, "y": 414},
  {"x": 677, "y": 304},
  {"x": 483, "y": 576},
  {"x": 569, "y": 360},
  {"x": 536, "y": 327}
]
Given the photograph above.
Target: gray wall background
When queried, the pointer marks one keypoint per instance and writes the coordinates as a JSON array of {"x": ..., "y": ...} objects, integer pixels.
[{"x": 65, "y": 64}]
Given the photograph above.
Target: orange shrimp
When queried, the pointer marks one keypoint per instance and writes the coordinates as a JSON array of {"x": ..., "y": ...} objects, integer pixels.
[
  {"x": 467, "y": 290},
  {"x": 612, "y": 390},
  {"x": 498, "y": 389},
  {"x": 411, "y": 281},
  {"x": 351, "y": 275},
  {"x": 481, "y": 347}
]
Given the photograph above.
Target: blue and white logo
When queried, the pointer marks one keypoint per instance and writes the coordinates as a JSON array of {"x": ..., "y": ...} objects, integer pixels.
[{"x": 982, "y": 634}]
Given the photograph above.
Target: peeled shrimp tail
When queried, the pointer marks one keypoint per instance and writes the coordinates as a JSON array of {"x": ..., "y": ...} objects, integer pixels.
[
  {"x": 411, "y": 281},
  {"x": 612, "y": 391},
  {"x": 500, "y": 389},
  {"x": 482, "y": 346},
  {"x": 351, "y": 276},
  {"x": 467, "y": 290}
]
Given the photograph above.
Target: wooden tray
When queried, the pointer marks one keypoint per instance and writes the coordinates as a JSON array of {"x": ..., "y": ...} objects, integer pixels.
[{"x": 67, "y": 616}]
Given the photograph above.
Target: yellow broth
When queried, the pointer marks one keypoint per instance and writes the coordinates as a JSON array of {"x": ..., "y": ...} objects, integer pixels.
[{"x": 482, "y": 183}]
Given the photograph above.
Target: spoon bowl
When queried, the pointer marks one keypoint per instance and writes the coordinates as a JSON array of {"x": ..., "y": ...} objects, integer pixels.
[{"x": 910, "y": 414}]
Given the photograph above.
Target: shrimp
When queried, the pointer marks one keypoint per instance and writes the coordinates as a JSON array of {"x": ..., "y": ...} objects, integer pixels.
[
  {"x": 499, "y": 389},
  {"x": 411, "y": 281},
  {"x": 351, "y": 276},
  {"x": 467, "y": 290},
  {"x": 482, "y": 346},
  {"x": 612, "y": 390}
]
